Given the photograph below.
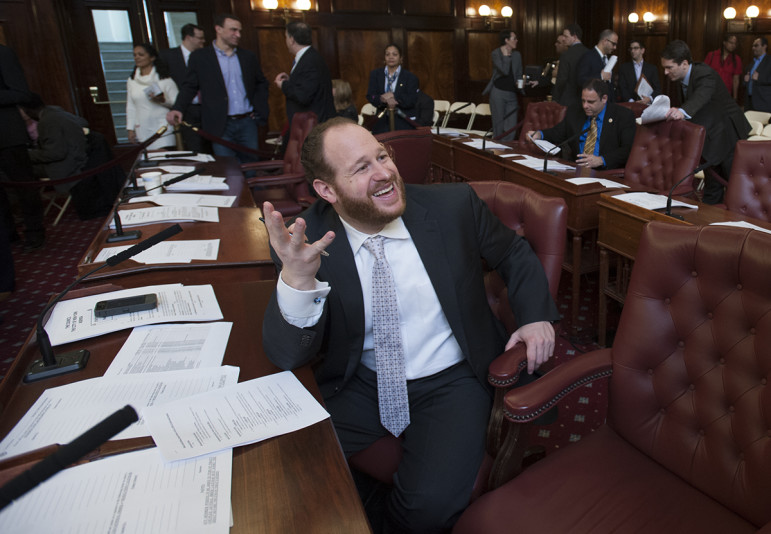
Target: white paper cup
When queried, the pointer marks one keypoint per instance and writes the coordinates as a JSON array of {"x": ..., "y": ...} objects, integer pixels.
[{"x": 150, "y": 181}]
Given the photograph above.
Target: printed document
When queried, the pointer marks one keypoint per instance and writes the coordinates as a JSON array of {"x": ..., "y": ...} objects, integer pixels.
[
  {"x": 182, "y": 199},
  {"x": 171, "y": 347},
  {"x": 602, "y": 181},
  {"x": 63, "y": 413},
  {"x": 73, "y": 320},
  {"x": 182, "y": 251},
  {"x": 477, "y": 143},
  {"x": 652, "y": 202},
  {"x": 237, "y": 415},
  {"x": 131, "y": 492},
  {"x": 196, "y": 183},
  {"x": 742, "y": 224},
  {"x": 656, "y": 112},
  {"x": 158, "y": 214}
]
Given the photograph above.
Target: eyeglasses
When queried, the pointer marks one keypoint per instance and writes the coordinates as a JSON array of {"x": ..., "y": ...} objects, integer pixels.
[
  {"x": 611, "y": 42},
  {"x": 635, "y": 48}
]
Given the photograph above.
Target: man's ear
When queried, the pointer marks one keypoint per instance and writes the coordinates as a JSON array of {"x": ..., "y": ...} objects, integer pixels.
[
  {"x": 604, "y": 99},
  {"x": 325, "y": 191}
]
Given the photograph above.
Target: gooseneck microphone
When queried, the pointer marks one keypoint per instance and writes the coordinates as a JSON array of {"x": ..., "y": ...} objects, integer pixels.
[
  {"x": 67, "y": 455},
  {"x": 560, "y": 146},
  {"x": 668, "y": 211},
  {"x": 134, "y": 189},
  {"x": 50, "y": 365},
  {"x": 504, "y": 134}
]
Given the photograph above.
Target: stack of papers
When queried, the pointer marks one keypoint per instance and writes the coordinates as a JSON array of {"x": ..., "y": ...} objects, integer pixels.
[
  {"x": 183, "y": 251},
  {"x": 742, "y": 224},
  {"x": 656, "y": 112},
  {"x": 537, "y": 163},
  {"x": 651, "y": 201},
  {"x": 196, "y": 183},
  {"x": 607, "y": 183},
  {"x": 477, "y": 143},
  {"x": 141, "y": 216},
  {"x": 181, "y": 199}
]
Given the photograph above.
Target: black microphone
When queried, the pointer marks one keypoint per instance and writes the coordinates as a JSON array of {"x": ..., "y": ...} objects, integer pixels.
[
  {"x": 51, "y": 365},
  {"x": 562, "y": 144},
  {"x": 67, "y": 454},
  {"x": 668, "y": 211},
  {"x": 408, "y": 120},
  {"x": 135, "y": 189}
]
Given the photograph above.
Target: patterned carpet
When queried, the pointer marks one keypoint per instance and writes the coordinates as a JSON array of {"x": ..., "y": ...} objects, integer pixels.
[{"x": 46, "y": 271}]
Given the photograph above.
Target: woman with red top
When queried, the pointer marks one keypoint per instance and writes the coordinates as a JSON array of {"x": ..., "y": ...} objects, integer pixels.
[{"x": 727, "y": 63}]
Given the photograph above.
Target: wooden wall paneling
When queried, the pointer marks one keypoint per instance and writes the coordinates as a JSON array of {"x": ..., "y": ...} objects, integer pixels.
[
  {"x": 429, "y": 7},
  {"x": 368, "y": 6},
  {"x": 274, "y": 58},
  {"x": 359, "y": 52},
  {"x": 480, "y": 46},
  {"x": 431, "y": 59}
]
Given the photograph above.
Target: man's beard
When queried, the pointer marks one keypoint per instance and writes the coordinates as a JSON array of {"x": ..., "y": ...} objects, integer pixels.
[{"x": 366, "y": 211}]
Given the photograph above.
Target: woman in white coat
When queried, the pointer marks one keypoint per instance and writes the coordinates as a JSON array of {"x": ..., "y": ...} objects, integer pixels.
[
  {"x": 502, "y": 87},
  {"x": 150, "y": 94}
]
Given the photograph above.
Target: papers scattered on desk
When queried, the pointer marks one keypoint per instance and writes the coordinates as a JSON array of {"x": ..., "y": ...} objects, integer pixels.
[
  {"x": 131, "y": 492},
  {"x": 602, "y": 181},
  {"x": 73, "y": 320},
  {"x": 182, "y": 199},
  {"x": 196, "y": 183},
  {"x": 652, "y": 202},
  {"x": 546, "y": 146},
  {"x": 177, "y": 169},
  {"x": 742, "y": 224},
  {"x": 656, "y": 112},
  {"x": 236, "y": 415},
  {"x": 537, "y": 163},
  {"x": 183, "y": 251},
  {"x": 171, "y": 347},
  {"x": 477, "y": 143},
  {"x": 142, "y": 216},
  {"x": 452, "y": 133},
  {"x": 179, "y": 154},
  {"x": 63, "y": 413}
]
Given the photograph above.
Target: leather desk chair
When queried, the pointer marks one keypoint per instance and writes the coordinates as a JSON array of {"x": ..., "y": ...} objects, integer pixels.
[
  {"x": 636, "y": 107},
  {"x": 687, "y": 442},
  {"x": 411, "y": 150},
  {"x": 282, "y": 182},
  {"x": 749, "y": 187},
  {"x": 542, "y": 221},
  {"x": 662, "y": 154},
  {"x": 541, "y": 115}
]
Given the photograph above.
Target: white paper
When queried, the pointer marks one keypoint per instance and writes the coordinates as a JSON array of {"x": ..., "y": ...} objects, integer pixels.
[
  {"x": 182, "y": 199},
  {"x": 131, "y": 492},
  {"x": 196, "y": 183},
  {"x": 451, "y": 133},
  {"x": 73, "y": 320},
  {"x": 656, "y": 112},
  {"x": 181, "y": 251},
  {"x": 545, "y": 145},
  {"x": 742, "y": 224},
  {"x": 171, "y": 347},
  {"x": 644, "y": 88},
  {"x": 603, "y": 181},
  {"x": 178, "y": 169},
  {"x": 63, "y": 413},
  {"x": 179, "y": 154},
  {"x": 237, "y": 415},
  {"x": 537, "y": 163},
  {"x": 610, "y": 64},
  {"x": 652, "y": 202},
  {"x": 477, "y": 143},
  {"x": 140, "y": 216}
]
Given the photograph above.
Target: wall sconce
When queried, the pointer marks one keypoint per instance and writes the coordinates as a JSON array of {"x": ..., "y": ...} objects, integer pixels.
[
  {"x": 648, "y": 18},
  {"x": 634, "y": 18},
  {"x": 751, "y": 14},
  {"x": 490, "y": 16},
  {"x": 283, "y": 9},
  {"x": 729, "y": 13}
]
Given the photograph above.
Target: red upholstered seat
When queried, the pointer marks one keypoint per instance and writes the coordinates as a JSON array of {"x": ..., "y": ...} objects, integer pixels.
[
  {"x": 541, "y": 115},
  {"x": 687, "y": 443},
  {"x": 412, "y": 153},
  {"x": 749, "y": 187},
  {"x": 636, "y": 107}
]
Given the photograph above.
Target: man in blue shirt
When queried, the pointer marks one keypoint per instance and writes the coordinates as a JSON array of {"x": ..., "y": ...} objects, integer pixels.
[
  {"x": 758, "y": 78},
  {"x": 598, "y": 132}
]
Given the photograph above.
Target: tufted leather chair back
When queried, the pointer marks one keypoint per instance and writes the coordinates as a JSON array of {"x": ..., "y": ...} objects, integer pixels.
[
  {"x": 302, "y": 124},
  {"x": 692, "y": 361},
  {"x": 749, "y": 187},
  {"x": 541, "y": 115},
  {"x": 635, "y": 107},
  {"x": 663, "y": 153},
  {"x": 411, "y": 150}
]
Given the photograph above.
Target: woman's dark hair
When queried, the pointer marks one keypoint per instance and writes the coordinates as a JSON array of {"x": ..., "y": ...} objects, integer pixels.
[{"x": 160, "y": 66}]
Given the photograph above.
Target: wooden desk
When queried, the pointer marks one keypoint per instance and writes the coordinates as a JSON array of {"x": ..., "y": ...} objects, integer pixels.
[
  {"x": 243, "y": 242},
  {"x": 620, "y": 228},
  {"x": 298, "y": 482},
  {"x": 453, "y": 159}
]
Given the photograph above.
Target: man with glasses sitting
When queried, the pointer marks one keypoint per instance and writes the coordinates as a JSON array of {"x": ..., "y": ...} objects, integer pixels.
[
  {"x": 632, "y": 72},
  {"x": 592, "y": 64}
]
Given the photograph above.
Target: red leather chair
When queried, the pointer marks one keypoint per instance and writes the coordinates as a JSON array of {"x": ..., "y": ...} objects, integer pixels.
[
  {"x": 636, "y": 107},
  {"x": 411, "y": 150},
  {"x": 541, "y": 115},
  {"x": 687, "y": 442},
  {"x": 663, "y": 153},
  {"x": 282, "y": 182},
  {"x": 542, "y": 221},
  {"x": 749, "y": 186}
]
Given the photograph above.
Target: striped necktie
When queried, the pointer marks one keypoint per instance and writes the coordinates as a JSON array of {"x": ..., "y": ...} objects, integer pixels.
[{"x": 591, "y": 138}]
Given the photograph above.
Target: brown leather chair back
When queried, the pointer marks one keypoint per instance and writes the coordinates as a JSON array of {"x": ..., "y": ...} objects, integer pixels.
[
  {"x": 411, "y": 150},
  {"x": 302, "y": 124},
  {"x": 541, "y": 115},
  {"x": 636, "y": 107},
  {"x": 749, "y": 187},
  {"x": 663, "y": 153},
  {"x": 691, "y": 361}
]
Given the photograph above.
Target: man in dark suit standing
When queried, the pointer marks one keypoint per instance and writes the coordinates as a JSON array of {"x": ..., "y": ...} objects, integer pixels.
[
  {"x": 308, "y": 86},
  {"x": 395, "y": 318},
  {"x": 758, "y": 78},
  {"x": 600, "y": 133},
  {"x": 706, "y": 101},
  {"x": 566, "y": 88},
  {"x": 177, "y": 59},
  {"x": 593, "y": 62},
  {"x": 234, "y": 92},
  {"x": 630, "y": 72}
]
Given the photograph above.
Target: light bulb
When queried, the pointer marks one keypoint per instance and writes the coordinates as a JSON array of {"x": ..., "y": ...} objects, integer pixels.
[
  {"x": 753, "y": 12},
  {"x": 648, "y": 16},
  {"x": 729, "y": 13},
  {"x": 634, "y": 18},
  {"x": 270, "y": 4},
  {"x": 506, "y": 11},
  {"x": 484, "y": 10}
]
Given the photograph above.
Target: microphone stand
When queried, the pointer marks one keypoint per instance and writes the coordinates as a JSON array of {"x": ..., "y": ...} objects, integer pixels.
[
  {"x": 51, "y": 365},
  {"x": 134, "y": 189},
  {"x": 504, "y": 134},
  {"x": 668, "y": 211},
  {"x": 560, "y": 146},
  {"x": 451, "y": 111}
]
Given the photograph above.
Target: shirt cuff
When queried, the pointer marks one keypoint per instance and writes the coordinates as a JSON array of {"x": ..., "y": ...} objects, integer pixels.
[
  {"x": 684, "y": 113},
  {"x": 301, "y": 308}
]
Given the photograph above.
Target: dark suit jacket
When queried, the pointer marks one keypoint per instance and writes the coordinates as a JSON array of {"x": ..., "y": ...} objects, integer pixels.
[
  {"x": 566, "y": 89},
  {"x": 204, "y": 74},
  {"x": 176, "y": 61},
  {"x": 405, "y": 92},
  {"x": 452, "y": 229},
  {"x": 13, "y": 91},
  {"x": 709, "y": 104},
  {"x": 627, "y": 81},
  {"x": 590, "y": 68},
  {"x": 761, "y": 88},
  {"x": 618, "y": 128},
  {"x": 309, "y": 88},
  {"x": 63, "y": 148}
]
